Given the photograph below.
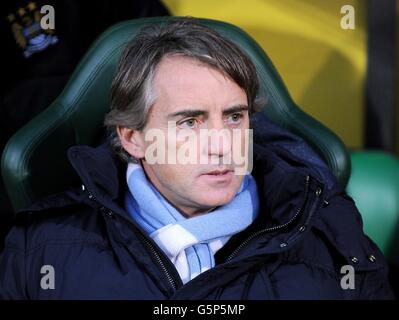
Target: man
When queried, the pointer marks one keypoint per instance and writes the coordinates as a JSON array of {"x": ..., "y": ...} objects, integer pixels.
[{"x": 181, "y": 216}]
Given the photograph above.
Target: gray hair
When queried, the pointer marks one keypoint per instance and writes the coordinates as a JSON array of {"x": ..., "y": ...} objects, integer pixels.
[{"x": 132, "y": 92}]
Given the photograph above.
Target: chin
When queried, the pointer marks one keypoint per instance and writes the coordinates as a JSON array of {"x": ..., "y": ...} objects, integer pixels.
[{"x": 217, "y": 199}]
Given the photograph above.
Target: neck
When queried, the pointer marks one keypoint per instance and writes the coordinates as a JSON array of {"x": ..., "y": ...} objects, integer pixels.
[{"x": 191, "y": 212}]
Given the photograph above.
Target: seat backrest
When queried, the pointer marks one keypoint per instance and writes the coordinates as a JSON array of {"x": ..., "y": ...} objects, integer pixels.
[{"x": 34, "y": 162}]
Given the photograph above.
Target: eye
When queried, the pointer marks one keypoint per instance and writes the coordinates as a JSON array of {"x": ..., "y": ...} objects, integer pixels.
[
  {"x": 189, "y": 123},
  {"x": 235, "y": 118}
]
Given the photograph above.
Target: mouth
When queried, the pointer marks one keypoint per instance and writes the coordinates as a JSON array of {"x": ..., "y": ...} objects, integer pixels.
[
  {"x": 219, "y": 176},
  {"x": 218, "y": 172}
]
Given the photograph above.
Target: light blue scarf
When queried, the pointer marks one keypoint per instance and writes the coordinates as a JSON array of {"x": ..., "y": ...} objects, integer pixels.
[{"x": 190, "y": 243}]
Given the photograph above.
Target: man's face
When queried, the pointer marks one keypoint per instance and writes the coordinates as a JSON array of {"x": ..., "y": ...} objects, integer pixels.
[{"x": 194, "y": 97}]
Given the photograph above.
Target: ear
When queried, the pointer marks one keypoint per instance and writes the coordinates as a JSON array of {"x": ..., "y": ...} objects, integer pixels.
[{"x": 132, "y": 141}]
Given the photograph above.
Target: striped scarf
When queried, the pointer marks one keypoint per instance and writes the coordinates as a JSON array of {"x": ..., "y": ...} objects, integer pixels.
[{"x": 190, "y": 243}]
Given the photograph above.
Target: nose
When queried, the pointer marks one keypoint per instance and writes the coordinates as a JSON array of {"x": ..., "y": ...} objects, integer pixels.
[{"x": 219, "y": 140}]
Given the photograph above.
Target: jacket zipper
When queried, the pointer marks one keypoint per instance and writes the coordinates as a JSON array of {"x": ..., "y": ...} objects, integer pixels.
[
  {"x": 158, "y": 258},
  {"x": 266, "y": 230},
  {"x": 148, "y": 244}
]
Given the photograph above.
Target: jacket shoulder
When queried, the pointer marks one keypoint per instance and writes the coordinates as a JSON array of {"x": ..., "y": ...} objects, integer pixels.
[
  {"x": 339, "y": 226},
  {"x": 71, "y": 224}
]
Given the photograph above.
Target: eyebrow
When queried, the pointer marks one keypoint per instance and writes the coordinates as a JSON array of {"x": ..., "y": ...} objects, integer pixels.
[
  {"x": 198, "y": 112},
  {"x": 235, "y": 109}
]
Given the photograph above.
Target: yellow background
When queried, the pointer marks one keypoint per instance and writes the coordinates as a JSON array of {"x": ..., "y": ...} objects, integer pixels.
[{"x": 322, "y": 64}]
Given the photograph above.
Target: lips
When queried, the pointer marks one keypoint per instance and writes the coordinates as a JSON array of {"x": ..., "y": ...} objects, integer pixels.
[
  {"x": 218, "y": 172},
  {"x": 218, "y": 177}
]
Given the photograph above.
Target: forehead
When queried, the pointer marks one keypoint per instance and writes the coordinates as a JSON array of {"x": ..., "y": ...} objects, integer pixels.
[{"x": 182, "y": 82}]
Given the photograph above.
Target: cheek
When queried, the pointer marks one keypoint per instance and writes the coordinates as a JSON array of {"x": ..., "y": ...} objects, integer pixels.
[
  {"x": 241, "y": 146},
  {"x": 175, "y": 176},
  {"x": 235, "y": 186}
]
